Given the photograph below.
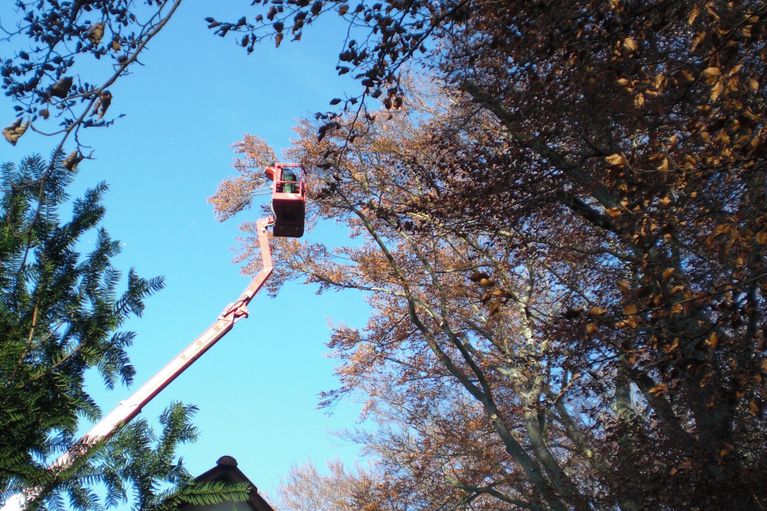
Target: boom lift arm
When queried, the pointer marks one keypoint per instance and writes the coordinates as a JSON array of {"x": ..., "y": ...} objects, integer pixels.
[{"x": 131, "y": 407}]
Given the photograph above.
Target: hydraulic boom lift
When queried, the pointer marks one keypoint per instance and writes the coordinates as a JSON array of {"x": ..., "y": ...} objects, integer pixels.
[{"x": 288, "y": 204}]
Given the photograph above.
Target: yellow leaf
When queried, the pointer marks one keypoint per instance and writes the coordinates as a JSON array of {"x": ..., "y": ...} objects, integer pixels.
[
  {"x": 753, "y": 85},
  {"x": 613, "y": 212},
  {"x": 624, "y": 82},
  {"x": 761, "y": 237},
  {"x": 639, "y": 100},
  {"x": 630, "y": 309},
  {"x": 667, "y": 273},
  {"x": 660, "y": 388},
  {"x": 596, "y": 311},
  {"x": 735, "y": 70},
  {"x": 663, "y": 167},
  {"x": 665, "y": 201},
  {"x": 697, "y": 40},
  {"x": 716, "y": 90},
  {"x": 623, "y": 285},
  {"x": 693, "y": 14},
  {"x": 711, "y": 74},
  {"x": 713, "y": 340},
  {"x": 591, "y": 328},
  {"x": 630, "y": 44},
  {"x": 616, "y": 159}
]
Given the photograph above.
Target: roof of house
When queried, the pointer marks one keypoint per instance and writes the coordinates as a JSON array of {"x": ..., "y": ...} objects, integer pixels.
[{"x": 226, "y": 470}]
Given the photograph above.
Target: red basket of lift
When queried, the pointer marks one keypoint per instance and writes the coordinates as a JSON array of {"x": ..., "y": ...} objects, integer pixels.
[{"x": 288, "y": 199}]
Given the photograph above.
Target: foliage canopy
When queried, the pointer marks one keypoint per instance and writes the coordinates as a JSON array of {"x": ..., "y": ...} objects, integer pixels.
[{"x": 565, "y": 252}]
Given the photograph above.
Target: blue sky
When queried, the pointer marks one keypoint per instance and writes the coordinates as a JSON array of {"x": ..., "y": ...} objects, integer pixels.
[{"x": 194, "y": 96}]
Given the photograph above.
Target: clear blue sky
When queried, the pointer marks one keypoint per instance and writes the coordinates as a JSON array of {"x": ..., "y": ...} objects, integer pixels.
[{"x": 195, "y": 95}]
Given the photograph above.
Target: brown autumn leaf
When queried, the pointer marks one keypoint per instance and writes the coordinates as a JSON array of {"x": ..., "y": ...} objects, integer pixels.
[
  {"x": 596, "y": 311},
  {"x": 673, "y": 346},
  {"x": 70, "y": 162},
  {"x": 14, "y": 132},
  {"x": 711, "y": 75},
  {"x": 693, "y": 15},
  {"x": 96, "y": 33},
  {"x": 630, "y": 309},
  {"x": 105, "y": 99},
  {"x": 717, "y": 90}
]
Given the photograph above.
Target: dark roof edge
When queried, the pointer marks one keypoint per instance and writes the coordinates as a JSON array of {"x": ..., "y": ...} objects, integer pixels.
[{"x": 226, "y": 470}]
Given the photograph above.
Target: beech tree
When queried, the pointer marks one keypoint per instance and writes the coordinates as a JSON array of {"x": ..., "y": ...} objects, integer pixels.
[
  {"x": 530, "y": 362},
  {"x": 621, "y": 145},
  {"x": 342, "y": 490}
]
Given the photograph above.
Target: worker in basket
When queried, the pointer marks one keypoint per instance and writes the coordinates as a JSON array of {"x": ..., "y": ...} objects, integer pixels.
[
  {"x": 288, "y": 199},
  {"x": 290, "y": 181}
]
